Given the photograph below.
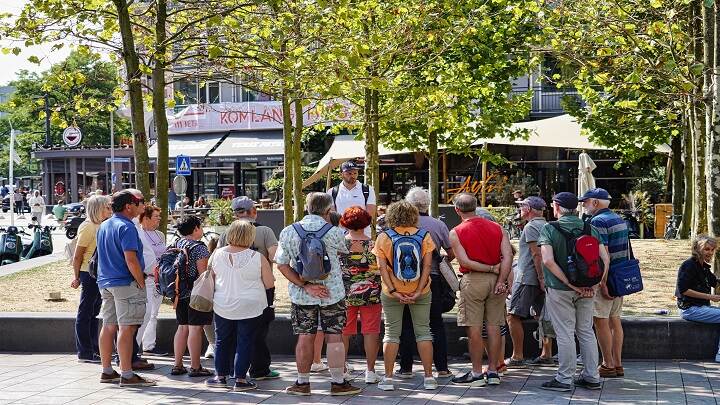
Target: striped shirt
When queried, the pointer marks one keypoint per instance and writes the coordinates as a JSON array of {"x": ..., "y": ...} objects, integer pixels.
[{"x": 614, "y": 233}]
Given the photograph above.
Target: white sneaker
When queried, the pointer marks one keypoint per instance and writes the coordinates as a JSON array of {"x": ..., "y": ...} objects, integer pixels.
[
  {"x": 318, "y": 367},
  {"x": 348, "y": 376},
  {"x": 386, "y": 384},
  {"x": 210, "y": 352},
  {"x": 348, "y": 368},
  {"x": 371, "y": 377},
  {"x": 430, "y": 383}
]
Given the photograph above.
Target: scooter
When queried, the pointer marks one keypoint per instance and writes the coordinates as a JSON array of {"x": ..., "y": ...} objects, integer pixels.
[
  {"x": 72, "y": 224},
  {"x": 11, "y": 246},
  {"x": 41, "y": 244}
]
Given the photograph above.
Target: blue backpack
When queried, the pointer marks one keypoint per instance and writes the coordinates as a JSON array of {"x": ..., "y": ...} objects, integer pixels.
[
  {"x": 312, "y": 261},
  {"x": 407, "y": 254}
]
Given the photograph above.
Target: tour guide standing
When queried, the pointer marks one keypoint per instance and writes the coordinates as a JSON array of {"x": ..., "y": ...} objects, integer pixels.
[
  {"x": 614, "y": 233},
  {"x": 352, "y": 193},
  {"x": 570, "y": 308},
  {"x": 122, "y": 286},
  {"x": 323, "y": 299}
]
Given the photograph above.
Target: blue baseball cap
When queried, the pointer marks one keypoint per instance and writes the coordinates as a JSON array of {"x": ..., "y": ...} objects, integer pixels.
[
  {"x": 533, "y": 202},
  {"x": 596, "y": 193},
  {"x": 566, "y": 200},
  {"x": 349, "y": 165}
]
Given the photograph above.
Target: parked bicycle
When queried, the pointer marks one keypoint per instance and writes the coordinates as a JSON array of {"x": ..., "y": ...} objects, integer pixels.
[{"x": 672, "y": 227}]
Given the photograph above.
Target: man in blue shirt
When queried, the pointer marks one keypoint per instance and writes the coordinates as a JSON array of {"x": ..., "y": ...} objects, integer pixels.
[
  {"x": 614, "y": 235},
  {"x": 122, "y": 286}
]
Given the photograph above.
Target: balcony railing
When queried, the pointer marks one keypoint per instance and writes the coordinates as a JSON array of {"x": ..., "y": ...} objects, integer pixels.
[{"x": 547, "y": 100}]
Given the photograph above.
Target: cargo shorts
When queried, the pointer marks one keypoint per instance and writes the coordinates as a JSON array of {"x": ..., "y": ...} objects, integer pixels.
[
  {"x": 308, "y": 319},
  {"x": 123, "y": 305}
]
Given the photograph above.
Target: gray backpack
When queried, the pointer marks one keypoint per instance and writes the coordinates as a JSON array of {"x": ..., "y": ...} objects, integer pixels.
[{"x": 312, "y": 261}]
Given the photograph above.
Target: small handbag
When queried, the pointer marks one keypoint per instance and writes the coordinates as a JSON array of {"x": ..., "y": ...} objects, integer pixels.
[
  {"x": 624, "y": 277},
  {"x": 201, "y": 296}
]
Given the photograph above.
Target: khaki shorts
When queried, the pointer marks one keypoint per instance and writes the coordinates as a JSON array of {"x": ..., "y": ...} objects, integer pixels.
[
  {"x": 124, "y": 305},
  {"x": 478, "y": 301},
  {"x": 607, "y": 308}
]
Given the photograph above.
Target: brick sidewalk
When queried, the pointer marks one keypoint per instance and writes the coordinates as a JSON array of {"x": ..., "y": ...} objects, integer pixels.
[{"x": 59, "y": 379}]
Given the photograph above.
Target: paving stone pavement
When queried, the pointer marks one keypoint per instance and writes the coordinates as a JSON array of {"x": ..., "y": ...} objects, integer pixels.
[{"x": 59, "y": 379}]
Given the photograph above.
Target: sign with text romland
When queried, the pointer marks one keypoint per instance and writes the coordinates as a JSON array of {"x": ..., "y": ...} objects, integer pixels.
[{"x": 243, "y": 116}]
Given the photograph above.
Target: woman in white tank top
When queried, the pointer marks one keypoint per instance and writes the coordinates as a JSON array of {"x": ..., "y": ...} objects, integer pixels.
[{"x": 241, "y": 277}]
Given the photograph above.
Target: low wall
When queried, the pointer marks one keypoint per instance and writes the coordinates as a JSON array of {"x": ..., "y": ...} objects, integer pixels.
[{"x": 645, "y": 338}]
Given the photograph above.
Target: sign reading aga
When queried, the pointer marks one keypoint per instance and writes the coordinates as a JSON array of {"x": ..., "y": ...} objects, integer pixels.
[{"x": 72, "y": 136}]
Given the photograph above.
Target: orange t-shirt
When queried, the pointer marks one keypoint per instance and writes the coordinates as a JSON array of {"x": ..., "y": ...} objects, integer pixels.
[{"x": 383, "y": 251}]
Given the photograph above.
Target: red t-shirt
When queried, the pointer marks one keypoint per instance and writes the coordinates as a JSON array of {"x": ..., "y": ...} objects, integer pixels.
[{"x": 481, "y": 240}]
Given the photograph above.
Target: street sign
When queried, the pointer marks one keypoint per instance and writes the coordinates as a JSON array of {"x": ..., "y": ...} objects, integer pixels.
[
  {"x": 118, "y": 160},
  {"x": 72, "y": 136},
  {"x": 179, "y": 185},
  {"x": 182, "y": 165}
]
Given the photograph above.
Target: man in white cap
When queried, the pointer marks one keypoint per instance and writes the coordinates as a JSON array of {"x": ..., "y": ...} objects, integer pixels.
[{"x": 352, "y": 193}]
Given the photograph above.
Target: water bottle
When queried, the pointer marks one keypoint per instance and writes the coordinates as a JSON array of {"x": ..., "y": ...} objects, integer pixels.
[
  {"x": 571, "y": 269},
  {"x": 662, "y": 312}
]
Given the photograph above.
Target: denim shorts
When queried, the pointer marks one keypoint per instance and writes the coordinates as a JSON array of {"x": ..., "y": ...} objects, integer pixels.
[{"x": 123, "y": 305}]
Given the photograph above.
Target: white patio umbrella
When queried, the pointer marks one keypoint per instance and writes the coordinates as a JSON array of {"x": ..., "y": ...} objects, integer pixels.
[{"x": 586, "y": 181}]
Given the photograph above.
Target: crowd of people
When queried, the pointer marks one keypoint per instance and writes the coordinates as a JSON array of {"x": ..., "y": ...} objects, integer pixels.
[{"x": 339, "y": 276}]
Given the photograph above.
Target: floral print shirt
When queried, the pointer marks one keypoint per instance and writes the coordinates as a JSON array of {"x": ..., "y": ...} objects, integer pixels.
[{"x": 360, "y": 275}]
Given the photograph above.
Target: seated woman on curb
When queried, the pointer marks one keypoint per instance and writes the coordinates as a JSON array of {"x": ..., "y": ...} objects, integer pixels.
[
  {"x": 694, "y": 284},
  {"x": 241, "y": 277}
]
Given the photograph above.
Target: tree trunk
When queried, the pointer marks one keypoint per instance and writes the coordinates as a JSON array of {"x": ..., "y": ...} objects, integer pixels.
[
  {"x": 162, "y": 174},
  {"x": 298, "y": 196},
  {"x": 434, "y": 169},
  {"x": 712, "y": 156},
  {"x": 677, "y": 178},
  {"x": 698, "y": 133},
  {"x": 288, "y": 155},
  {"x": 372, "y": 160},
  {"x": 135, "y": 97},
  {"x": 688, "y": 176}
]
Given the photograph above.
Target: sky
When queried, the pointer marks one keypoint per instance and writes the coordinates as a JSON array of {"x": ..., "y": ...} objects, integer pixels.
[{"x": 11, "y": 64}]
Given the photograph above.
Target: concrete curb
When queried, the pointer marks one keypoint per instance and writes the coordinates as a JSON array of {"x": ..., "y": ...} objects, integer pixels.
[
  {"x": 30, "y": 264},
  {"x": 645, "y": 338}
]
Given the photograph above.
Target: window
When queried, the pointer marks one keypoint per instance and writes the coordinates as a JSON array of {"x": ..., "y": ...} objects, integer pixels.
[
  {"x": 227, "y": 91},
  {"x": 202, "y": 94},
  {"x": 213, "y": 92},
  {"x": 188, "y": 90}
]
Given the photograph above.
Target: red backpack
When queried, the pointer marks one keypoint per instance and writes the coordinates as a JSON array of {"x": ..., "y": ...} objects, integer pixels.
[{"x": 584, "y": 266}]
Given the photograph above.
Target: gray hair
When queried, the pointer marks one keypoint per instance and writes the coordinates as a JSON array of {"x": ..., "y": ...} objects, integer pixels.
[
  {"x": 566, "y": 211},
  {"x": 465, "y": 202},
  {"x": 319, "y": 203},
  {"x": 483, "y": 213},
  {"x": 420, "y": 198},
  {"x": 95, "y": 207}
]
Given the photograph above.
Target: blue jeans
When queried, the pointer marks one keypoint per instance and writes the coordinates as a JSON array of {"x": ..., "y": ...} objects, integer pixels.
[
  {"x": 234, "y": 341},
  {"x": 86, "y": 322},
  {"x": 704, "y": 314}
]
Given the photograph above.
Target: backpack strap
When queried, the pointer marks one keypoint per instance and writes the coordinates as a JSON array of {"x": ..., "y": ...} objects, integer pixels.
[
  {"x": 569, "y": 246},
  {"x": 334, "y": 193},
  {"x": 366, "y": 193},
  {"x": 320, "y": 233},
  {"x": 302, "y": 233},
  {"x": 391, "y": 233}
]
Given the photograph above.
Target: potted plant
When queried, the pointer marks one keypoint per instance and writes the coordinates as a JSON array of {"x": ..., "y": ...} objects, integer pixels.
[{"x": 221, "y": 214}]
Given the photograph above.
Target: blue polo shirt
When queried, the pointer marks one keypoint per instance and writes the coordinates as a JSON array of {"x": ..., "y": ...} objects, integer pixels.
[
  {"x": 116, "y": 236},
  {"x": 613, "y": 233}
]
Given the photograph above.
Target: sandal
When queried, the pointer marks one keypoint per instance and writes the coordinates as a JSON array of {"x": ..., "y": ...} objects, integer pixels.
[
  {"x": 200, "y": 372},
  {"x": 607, "y": 372},
  {"x": 178, "y": 370},
  {"x": 620, "y": 371}
]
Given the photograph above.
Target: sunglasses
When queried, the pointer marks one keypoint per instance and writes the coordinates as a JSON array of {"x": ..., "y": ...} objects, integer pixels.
[{"x": 137, "y": 201}]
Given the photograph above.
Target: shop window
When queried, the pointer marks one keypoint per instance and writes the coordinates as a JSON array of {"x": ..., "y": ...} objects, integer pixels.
[{"x": 227, "y": 91}]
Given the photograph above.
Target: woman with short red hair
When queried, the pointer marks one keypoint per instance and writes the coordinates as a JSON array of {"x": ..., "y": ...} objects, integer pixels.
[{"x": 362, "y": 287}]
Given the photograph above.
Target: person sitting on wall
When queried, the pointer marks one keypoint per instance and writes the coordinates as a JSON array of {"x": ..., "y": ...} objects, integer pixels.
[{"x": 59, "y": 211}]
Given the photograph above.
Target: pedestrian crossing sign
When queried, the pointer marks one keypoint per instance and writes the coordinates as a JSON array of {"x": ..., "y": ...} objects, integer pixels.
[{"x": 182, "y": 165}]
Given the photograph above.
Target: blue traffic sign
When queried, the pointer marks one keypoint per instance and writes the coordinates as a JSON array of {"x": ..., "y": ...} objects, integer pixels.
[{"x": 182, "y": 165}]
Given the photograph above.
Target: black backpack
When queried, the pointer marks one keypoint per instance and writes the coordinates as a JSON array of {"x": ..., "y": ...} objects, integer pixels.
[
  {"x": 172, "y": 273},
  {"x": 365, "y": 190}
]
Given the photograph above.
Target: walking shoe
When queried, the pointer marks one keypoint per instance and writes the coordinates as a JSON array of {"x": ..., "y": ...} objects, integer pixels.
[
  {"x": 430, "y": 383},
  {"x": 216, "y": 382},
  {"x": 583, "y": 383},
  {"x": 95, "y": 359},
  {"x": 137, "y": 381},
  {"x": 620, "y": 371},
  {"x": 269, "y": 376},
  {"x": 386, "y": 384},
  {"x": 142, "y": 365},
  {"x": 155, "y": 352},
  {"x": 470, "y": 379},
  {"x": 318, "y": 367},
  {"x": 607, "y": 372},
  {"x": 343, "y": 388},
  {"x": 492, "y": 378},
  {"x": 298, "y": 389},
  {"x": 371, "y": 377},
  {"x": 445, "y": 374},
  {"x": 210, "y": 352},
  {"x": 515, "y": 363},
  {"x": 110, "y": 378},
  {"x": 555, "y": 385},
  {"x": 540, "y": 361},
  {"x": 200, "y": 372},
  {"x": 502, "y": 369},
  {"x": 244, "y": 385},
  {"x": 405, "y": 375}
]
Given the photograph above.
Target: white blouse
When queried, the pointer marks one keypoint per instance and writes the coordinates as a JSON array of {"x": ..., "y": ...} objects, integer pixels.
[{"x": 239, "y": 289}]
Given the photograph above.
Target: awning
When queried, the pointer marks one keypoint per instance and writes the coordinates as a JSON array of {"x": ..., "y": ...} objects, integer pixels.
[
  {"x": 344, "y": 147},
  {"x": 562, "y": 131},
  {"x": 251, "y": 146},
  {"x": 194, "y": 145}
]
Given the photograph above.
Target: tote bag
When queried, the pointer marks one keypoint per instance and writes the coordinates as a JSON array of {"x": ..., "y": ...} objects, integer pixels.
[
  {"x": 201, "y": 296},
  {"x": 624, "y": 278}
]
